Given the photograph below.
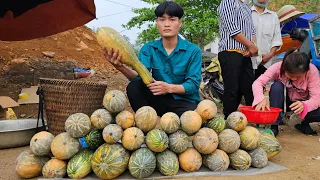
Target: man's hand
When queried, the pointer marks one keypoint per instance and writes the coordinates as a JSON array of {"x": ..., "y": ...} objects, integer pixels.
[
  {"x": 113, "y": 56},
  {"x": 159, "y": 88},
  {"x": 253, "y": 50},
  {"x": 297, "y": 107},
  {"x": 263, "y": 105},
  {"x": 266, "y": 57},
  {"x": 247, "y": 53}
]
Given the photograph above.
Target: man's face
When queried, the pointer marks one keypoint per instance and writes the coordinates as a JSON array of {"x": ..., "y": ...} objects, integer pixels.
[{"x": 168, "y": 26}]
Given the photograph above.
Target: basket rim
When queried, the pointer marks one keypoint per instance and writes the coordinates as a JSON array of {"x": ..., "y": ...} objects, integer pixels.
[{"x": 70, "y": 82}]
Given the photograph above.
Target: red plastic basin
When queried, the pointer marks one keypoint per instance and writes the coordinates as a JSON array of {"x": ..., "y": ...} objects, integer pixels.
[{"x": 260, "y": 117}]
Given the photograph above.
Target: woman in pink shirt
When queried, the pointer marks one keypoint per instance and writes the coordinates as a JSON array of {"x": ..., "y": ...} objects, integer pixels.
[{"x": 300, "y": 81}]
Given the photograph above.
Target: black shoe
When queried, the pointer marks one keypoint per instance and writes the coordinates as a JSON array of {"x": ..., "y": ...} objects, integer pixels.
[
  {"x": 275, "y": 130},
  {"x": 305, "y": 129}
]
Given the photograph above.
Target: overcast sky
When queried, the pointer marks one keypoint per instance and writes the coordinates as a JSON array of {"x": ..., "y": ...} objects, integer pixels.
[{"x": 114, "y": 15}]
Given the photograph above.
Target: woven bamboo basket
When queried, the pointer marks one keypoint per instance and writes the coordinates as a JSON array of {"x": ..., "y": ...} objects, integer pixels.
[{"x": 63, "y": 98}]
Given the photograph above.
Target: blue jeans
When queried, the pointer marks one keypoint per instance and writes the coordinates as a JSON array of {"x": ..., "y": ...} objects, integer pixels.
[{"x": 277, "y": 100}]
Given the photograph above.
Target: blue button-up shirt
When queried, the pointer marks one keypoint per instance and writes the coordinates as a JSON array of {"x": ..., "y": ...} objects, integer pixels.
[{"x": 181, "y": 67}]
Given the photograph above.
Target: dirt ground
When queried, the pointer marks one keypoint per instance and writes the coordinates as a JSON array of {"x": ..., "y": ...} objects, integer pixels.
[{"x": 298, "y": 155}]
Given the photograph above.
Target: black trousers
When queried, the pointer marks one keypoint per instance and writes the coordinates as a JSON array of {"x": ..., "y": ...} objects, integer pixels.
[
  {"x": 259, "y": 71},
  {"x": 139, "y": 95},
  {"x": 238, "y": 77},
  {"x": 277, "y": 100}
]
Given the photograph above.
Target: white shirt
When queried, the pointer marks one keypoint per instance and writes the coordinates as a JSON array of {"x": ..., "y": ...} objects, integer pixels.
[{"x": 268, "y": 34}]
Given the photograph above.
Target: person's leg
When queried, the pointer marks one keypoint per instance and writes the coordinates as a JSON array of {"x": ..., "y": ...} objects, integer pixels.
[
  {"x": 259, "y": 71},
  {"x": 178, "y": 106},
  {"x": 231, "y": 63},
  {"x": 139, "y": 95},
  {"x": 246, "y": 81},
  {"x": 276, "y": 97},
  {"x": 304, "y": 127}
]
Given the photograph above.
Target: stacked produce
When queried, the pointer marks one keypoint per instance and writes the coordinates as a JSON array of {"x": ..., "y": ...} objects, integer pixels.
[{"x": 113, "y": 140}]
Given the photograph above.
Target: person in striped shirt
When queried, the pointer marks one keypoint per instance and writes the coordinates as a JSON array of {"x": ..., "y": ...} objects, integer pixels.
[{"x": 236, "y": 46}]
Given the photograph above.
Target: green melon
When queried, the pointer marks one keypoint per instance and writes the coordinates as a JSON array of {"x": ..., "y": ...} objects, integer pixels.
[
  {"x": 205, "y": 141},
  {"x": 229, "y": 141},
  {"x": 249, "y": 138},
  {"x": 40, "y": 143},
  {"x": 78, "y": 125},
  {"x": 54, "y": 168},
  {"x": 94, "y": 139},
  {"x": 157, "y": 140},
  {"x": 170, "y": 122},
  {"x": 217, "y": 161},
  {"x": 79, "y": 165},
  {"x": 240, "y": 160},
  {"x": 178, "y": 142},
  {"x": 259, "y": 158},
  {"x": 237, "y": 121},
  {"x": 64, "y": 146},
  {"x": 114, "y": 101},
  {"x": 146, "y": 118},
  {"x": 101, "y": 118},
  {"x": 217, "y": 123},
  {"x": 112, "y": 133},
  {"x": 269, "y": 144},
  {"x": 142, "y": 163},
  {"x": 109, "y": 161},
  {"x": 168, "y": 163}
]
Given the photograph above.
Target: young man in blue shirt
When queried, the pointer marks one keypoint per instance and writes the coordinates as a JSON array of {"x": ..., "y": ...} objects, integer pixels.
[{"x": 175, "y": 64}]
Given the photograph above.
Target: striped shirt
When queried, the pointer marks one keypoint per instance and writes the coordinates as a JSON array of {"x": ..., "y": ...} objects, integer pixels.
[{"x": 234, "y": 18}]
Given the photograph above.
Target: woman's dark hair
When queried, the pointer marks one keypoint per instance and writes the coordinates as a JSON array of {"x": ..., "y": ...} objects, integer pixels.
[
  {"x": 169, "y": 7},
  {"x": 294, "y": 62}
]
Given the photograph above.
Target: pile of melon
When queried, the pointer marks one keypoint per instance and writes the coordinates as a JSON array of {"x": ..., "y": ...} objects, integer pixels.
[{"x": 113, "y": 140}]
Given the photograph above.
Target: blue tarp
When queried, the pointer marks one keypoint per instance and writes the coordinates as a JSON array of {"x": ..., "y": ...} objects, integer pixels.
[{"x": 300, "y": 22}]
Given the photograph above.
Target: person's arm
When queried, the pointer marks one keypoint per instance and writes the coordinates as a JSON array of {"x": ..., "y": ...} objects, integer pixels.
[
  {"x": 127, "y": 72},
  {"x": 314, "y": 89},
  {"x": 272, "y": 73}
]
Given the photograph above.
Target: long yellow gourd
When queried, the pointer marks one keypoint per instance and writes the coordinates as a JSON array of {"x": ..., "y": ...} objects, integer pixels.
[{"x": 110, "y": 38}]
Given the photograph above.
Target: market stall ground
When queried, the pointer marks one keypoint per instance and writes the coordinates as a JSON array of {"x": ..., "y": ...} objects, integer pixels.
[{"x": 300, "y": 155}]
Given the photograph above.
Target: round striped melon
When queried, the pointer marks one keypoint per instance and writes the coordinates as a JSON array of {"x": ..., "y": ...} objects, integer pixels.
[
  {"x": 207, "y": 109},
  {"x": 146, "y": 118},
  {"x": 191, "y": 122},
  {"x": 101, "y": 118},
  {"x": 94, "y": 139},
  {"x": 217, "y": 123},
  {"x": 249, "y": 138},
  {"x": 64, "y": 146},
  {"x": 125, "y": 119},
  {"x": 229, "y": 141},
  {"x": 205, "y": 141},
  {"x": 157, "y": 140},
  {"x": 54, "y": 168},
  {"x": 112, "y": 133},
  {"x": 217, "y": 161},
  {"x": 109, "y": 161},
  {"x": 78, "y": 125},
  {"x": 178, "y": 142},
  {"x": 40, "y": 143},
  {"x": 132, "y": 138},
  {"x": 170, "y": 122},
  {"x": 168, "y": 163},
  {"x": 237, "y": 121},
  {"x": 142, "y": 163},
  {"x": 269, "y": 144},
  {"x": 190, "y": 160},
  {"x": 240, "y": 160},
  {"x": 114, "y": 101},
  {"x": 259, "y": 158},
  {"x": 28, "y": 165}
]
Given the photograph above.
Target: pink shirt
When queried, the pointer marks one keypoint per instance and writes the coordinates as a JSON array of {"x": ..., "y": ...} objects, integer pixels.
[{"x": 308, "y": 85}]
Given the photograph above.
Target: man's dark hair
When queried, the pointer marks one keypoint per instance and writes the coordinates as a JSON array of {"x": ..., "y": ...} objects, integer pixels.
[{"x": 169, "y": 7}]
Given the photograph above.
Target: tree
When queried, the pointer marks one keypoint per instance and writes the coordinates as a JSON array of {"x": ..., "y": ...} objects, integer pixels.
[
  {"x": 200, "y": 22},
  {"x": 307, "y": 6}
]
